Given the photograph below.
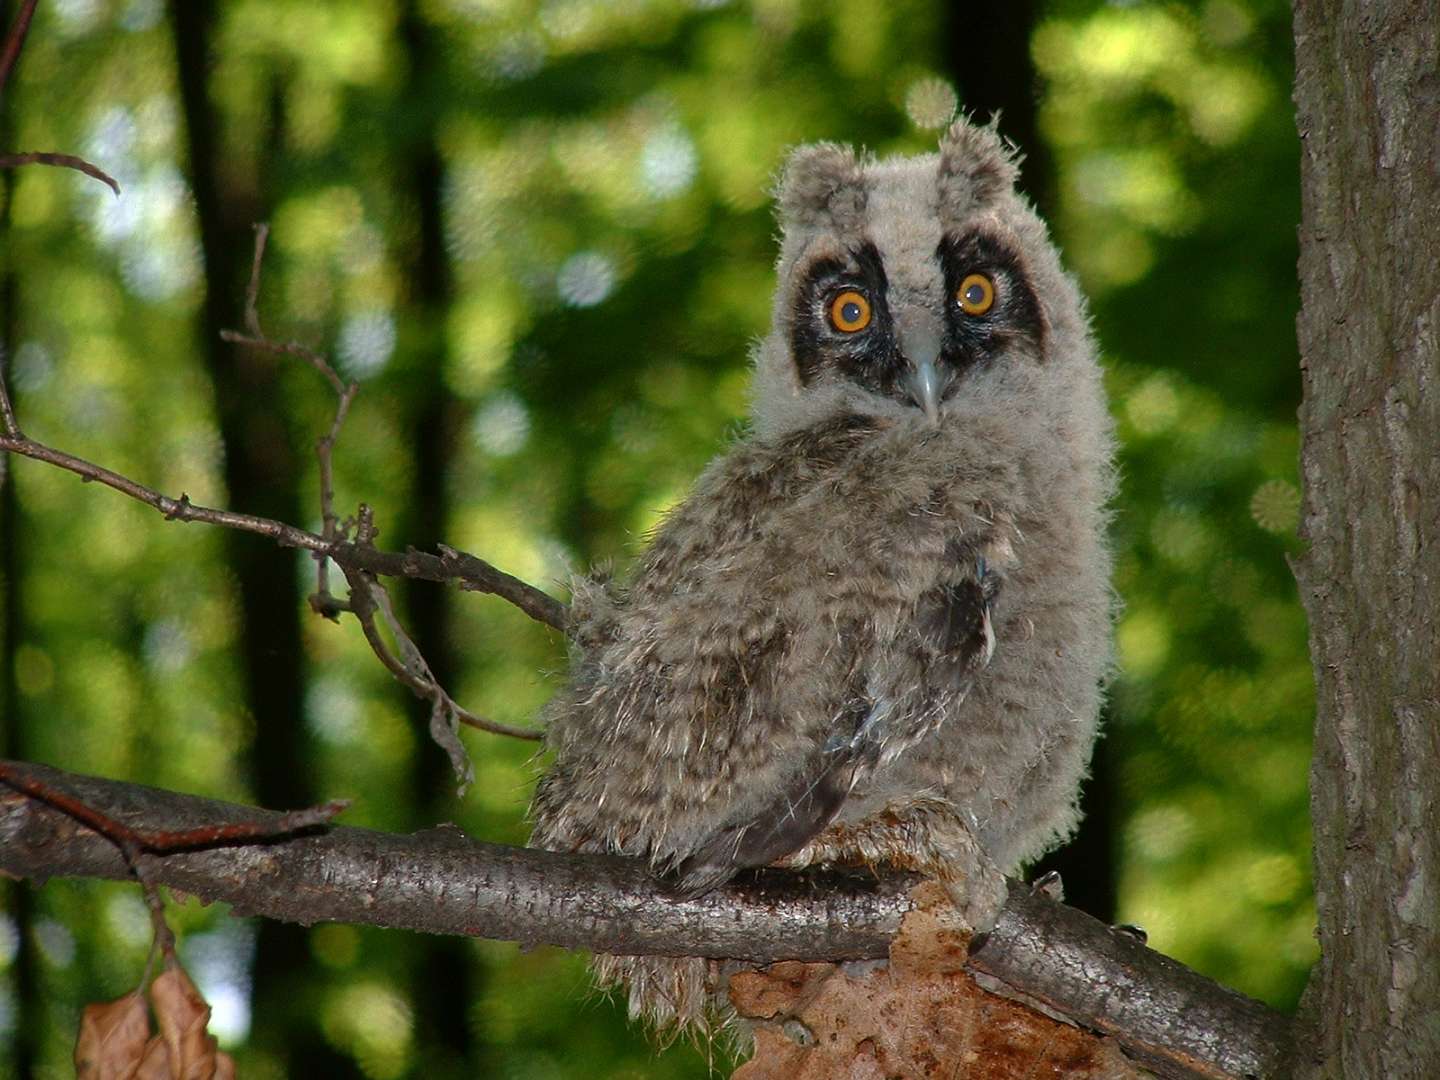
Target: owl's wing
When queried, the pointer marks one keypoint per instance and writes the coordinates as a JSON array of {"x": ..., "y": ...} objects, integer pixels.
[
  {"x": 955, "y": 621},
  {"x": 954, "y": 624},
  {"x": 807, "y": 805}
]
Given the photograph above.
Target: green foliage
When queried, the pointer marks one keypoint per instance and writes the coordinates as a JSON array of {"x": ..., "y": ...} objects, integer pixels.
[
  {"x": 1174, "y": 143},
  {"x": 609, "y": 237}
]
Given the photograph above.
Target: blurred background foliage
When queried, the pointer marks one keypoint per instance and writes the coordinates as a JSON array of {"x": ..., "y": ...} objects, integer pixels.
[{"x": 538, "y": 233}]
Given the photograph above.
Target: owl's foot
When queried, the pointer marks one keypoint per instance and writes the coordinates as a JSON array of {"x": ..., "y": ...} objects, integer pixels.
[
  {"x": 1049, "y": 886},
  {"x": 928, "y": 836}
]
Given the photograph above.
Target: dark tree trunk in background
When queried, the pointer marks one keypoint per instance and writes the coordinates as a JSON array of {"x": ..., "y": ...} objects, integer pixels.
[
  {"x": 989, "y": 58},
  {"x": 1368, "y": 102},
  {"x": 15, "y": 898},
  {"x": 987, "y": 51},
  {"x": 261, "y": 471},
  {"x": 444, "y": 982}
]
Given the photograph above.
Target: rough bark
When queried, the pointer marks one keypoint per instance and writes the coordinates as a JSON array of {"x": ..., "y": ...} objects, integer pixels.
[
  {"x": 441, "y": 881},
  {"x": 1368, "y": 102}
]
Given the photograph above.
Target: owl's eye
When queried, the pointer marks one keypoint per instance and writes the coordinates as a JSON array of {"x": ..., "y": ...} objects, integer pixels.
[
  {"x": 976, "y": 294},
  {"x": 850, "y": 312}
]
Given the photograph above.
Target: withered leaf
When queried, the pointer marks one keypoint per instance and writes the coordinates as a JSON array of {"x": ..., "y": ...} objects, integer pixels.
[
  {"x": 112, "y": 1039},
  {"x": 184, "y": 1049}
]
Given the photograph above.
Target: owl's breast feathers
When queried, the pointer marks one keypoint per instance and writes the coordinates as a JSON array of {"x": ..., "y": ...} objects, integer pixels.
[{"x": 814, "y": 608}]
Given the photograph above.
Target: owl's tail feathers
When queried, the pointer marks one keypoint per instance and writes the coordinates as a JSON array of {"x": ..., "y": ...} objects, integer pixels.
[{"x": 807, "y": 804}]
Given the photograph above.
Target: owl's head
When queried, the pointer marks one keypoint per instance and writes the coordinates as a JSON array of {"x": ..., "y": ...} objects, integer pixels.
[{"x": 908, "y": 285}]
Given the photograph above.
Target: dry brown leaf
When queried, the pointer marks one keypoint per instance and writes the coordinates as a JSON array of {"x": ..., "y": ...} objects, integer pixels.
[
  {"x": 112, "y": 1039},
  {"x": 184, "y": 1049},
  {"x": 920, "y": 1016}
]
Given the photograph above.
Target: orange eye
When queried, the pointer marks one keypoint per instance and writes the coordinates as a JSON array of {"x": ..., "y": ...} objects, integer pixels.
[
  {"x": 850, "y": 312},
  {"x": 976, "y": 294}
]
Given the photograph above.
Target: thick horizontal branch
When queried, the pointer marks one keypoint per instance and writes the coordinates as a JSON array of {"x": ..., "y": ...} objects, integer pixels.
[
  {"x": 441, "y": 881},
  {"x": 1174, "y": 1020}
]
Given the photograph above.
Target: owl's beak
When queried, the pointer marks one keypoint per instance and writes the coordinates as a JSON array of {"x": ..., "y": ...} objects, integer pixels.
[
  {"x": 920, "y": 341},
  {"x": 922, "y": 382}
]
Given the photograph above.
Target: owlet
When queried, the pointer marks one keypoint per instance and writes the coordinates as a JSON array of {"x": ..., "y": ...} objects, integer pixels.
[{"x": 876, "y": 630}]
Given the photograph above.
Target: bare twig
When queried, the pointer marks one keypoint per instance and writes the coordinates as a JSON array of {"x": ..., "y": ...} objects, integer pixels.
[
  {"x": 466, "y": 570},
  {"x": 322, "y": 601},
  {"x": 14, "y": 42},
  {"x": 134, "y": 844},
  {"x": 64, "y": 161},
  {"x": 367, "y": 596},
  {"x": 9, "y": 426},
  {"x": 132, "y": 840}
]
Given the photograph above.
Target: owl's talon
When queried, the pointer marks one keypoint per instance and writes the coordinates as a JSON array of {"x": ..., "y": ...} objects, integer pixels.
[
  {"x": 1131, "y": 930},
  {"x": 979, "y": 898},
  {"x": 1049, "y": 886}
]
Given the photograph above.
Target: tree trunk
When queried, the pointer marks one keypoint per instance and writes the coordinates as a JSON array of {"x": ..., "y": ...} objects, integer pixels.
[
  {"x": 444, "y": 980},
  {"x": 260, "y": 475},
  {"x": 1368, "y": 99},
  {"x": 22, "y": 981}
]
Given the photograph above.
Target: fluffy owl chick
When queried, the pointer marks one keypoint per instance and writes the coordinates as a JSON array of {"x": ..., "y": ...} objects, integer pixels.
[{"x": 876, "y": 630}]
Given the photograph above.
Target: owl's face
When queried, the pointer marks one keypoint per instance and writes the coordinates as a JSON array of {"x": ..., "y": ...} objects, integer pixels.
[{"x": 905, "y": 285}]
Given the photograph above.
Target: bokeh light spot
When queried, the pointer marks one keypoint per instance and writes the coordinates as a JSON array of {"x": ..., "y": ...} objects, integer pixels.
[
  {"x": 1153, "y": 405},
  {"x": 585, "y": 279},
  {"x": 1275, "y": 506},
  {"x": 930, "y": 102},
  {"x": 367, "y": 340},
  {"x": 1143, "y": 638},
  {"x": 668, "y": 162},
  {"x": 502, "y": 425}
]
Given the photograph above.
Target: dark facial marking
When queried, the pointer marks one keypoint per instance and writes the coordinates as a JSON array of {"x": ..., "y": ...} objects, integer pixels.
[
  {"x": 1014, "y": 318},
  {"x": 870, "y": 357}
]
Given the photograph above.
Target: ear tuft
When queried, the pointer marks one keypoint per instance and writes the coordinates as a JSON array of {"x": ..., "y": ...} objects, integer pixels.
[
  {"x": 977, "y": 166},
  {"x": 821, "y": 181}
]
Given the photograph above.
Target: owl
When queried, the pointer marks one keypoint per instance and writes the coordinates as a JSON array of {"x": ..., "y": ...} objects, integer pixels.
[{"x": 876, "y": 631}]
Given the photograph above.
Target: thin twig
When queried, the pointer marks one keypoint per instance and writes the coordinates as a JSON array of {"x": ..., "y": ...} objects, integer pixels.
[
  {"x": 415, "y": 673},
  {"x": 471, "y": 573},
  {"x": 252, "y": 290},
  {"x": 132, "y": 841},
  {"x": 468, "y": 571},
  {"x": 64, "y": 161},
  {"x": 322, "y": 602},
  {"x": 367, "y": 596},
  {"x": 14, "y": 41},
  {"x": 9, "y": 426}
]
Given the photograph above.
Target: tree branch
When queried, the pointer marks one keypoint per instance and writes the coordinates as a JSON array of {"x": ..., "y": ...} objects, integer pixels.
[
  {"x": 441, "y": 881},
  {"x": 62, "y": 161},
  {"x": 469, "y": 572},
  {"x": 15, "y": 41}
]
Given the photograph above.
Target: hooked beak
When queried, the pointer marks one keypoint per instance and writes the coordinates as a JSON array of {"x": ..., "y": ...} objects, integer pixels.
[
  {"x": 922, "y": 382},
  {"x": 920, "y": 341}
]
